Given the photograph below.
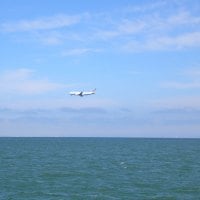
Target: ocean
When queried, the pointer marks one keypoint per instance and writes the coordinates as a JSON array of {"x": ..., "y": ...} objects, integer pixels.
[{"x": 99, "y": 168}]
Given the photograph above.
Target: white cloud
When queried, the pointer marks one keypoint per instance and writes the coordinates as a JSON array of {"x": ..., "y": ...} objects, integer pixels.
[
  {"x": 51, "y": 40},
  {"x": 183, "y": 18},
  {"x": 126, "y": 27},
  {"x": 22, "y": 81},
  {"x": 154, "y": 31},
  {"x": 149, "y": 24},
  {"x": 154, "y": 27},
  {"x": 183, "y": 41},
  {"x": 179, "y": 102},
  {"x": 79, "y": 51},
  {"x": 145, "y": 7},
  {"x": 193, "y": 74},
  {"x": 183, "y": 85},
  {"x": 53, "y": 22}
]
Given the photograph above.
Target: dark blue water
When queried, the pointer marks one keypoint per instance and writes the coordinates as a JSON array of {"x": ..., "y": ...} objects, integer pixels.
[{"x": 99, "y": 168}]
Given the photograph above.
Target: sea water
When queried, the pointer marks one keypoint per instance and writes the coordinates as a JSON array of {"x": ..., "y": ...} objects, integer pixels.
[{"x": 99, "y": 168}]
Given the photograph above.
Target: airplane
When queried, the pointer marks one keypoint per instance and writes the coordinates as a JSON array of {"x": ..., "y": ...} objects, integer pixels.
[{"x": 82, "y": 93}]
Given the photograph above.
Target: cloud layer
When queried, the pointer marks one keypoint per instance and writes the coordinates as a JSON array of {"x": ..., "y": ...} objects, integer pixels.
[
  {"x": 53, "y": 22},
  {"x": 163, "y": 28},
  {"x": 192, "y": 76},
  {"x": 22, "y": 81}
]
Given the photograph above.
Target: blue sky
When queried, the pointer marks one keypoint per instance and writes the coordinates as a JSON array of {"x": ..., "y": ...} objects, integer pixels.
[{"x": 142, "y": 56}]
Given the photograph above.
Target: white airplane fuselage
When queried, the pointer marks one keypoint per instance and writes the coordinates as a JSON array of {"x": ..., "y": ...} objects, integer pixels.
[{"x": 82, "y": 93}]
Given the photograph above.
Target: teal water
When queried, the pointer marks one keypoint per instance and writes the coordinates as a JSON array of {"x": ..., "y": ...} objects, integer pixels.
[{"x": 99, "y": 168}]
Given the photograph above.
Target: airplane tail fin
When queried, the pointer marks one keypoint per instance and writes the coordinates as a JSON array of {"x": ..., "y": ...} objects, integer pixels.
[{"x": 94, "y": 90}]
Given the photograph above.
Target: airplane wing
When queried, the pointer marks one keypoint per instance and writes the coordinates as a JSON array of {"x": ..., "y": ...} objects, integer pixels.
[
  {"x": 90, "y": 92},
  {"x": 82, "y": 93},
  {"x": 75, "y": 93}
]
